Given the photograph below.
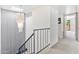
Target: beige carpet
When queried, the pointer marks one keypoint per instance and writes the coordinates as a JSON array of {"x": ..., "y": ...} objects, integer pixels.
[{"x": 64, "y": 46}]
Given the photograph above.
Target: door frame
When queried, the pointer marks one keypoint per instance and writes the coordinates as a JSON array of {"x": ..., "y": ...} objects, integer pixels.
[{"x": 76, "y": 25}]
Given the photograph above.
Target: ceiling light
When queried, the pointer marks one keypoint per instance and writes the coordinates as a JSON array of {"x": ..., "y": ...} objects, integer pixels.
[{"x": 16, "y": 9}]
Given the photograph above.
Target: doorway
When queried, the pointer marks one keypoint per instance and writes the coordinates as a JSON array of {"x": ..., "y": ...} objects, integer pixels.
[{"x": 70, "y": 26}]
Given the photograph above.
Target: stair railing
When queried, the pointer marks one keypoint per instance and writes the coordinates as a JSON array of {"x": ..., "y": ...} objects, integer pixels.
[{"x": 38, "y": 41}]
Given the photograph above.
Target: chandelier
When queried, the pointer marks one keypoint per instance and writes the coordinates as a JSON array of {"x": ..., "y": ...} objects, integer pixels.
[{"x": 20, "y": 21}]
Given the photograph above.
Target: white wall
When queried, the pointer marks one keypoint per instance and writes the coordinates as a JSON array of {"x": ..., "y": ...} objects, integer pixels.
[
  {"x": 29, "y": 26},
  {"x": 56, "y": 29},
  {"x": 0, "y": 30},
  {"x": 61, "y": 11},
  {"x": 54, "y": 25},
  {"x": 78, "y": 22},
  {"x": 41, "y": 17},
  {"x": 70, "y": 9}
]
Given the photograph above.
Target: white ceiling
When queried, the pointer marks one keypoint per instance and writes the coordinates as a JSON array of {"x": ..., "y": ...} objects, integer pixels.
[{"x": 27, "y": 8}]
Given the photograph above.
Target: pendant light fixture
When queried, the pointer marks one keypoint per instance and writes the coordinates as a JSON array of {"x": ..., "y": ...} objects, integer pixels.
[{"x": 20, "y": 21}]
